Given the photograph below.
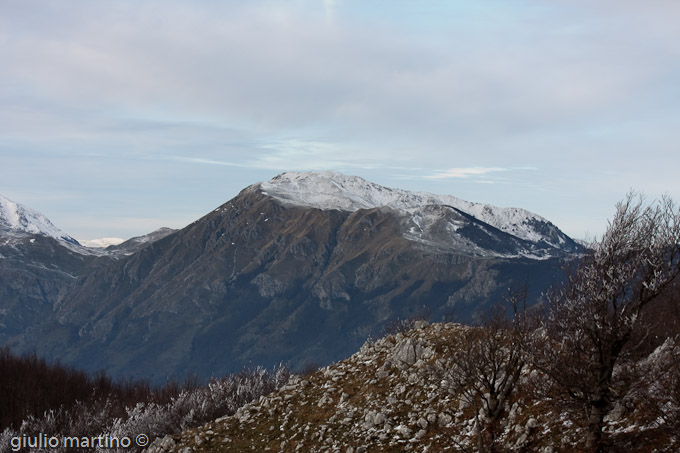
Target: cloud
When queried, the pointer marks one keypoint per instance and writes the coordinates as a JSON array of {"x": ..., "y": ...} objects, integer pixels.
[
  {"x": 330, "y": 7},
  {"x": 465, "y": 172},
  {"x": 199, "y": 160},
  {"x": 266, "y": 67},
  {"x": 265, "y": 86},
  {"x": 380, "y": 92},
  {"x": 477, "y": 174}
]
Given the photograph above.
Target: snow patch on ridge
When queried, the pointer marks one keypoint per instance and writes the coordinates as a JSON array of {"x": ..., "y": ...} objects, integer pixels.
[{"x": 332, "y": 190}]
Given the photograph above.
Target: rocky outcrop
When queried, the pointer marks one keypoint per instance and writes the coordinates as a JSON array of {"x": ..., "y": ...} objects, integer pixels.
[
  {"x": 403, "y": 393},
  {"x": 390, "y": 396}
]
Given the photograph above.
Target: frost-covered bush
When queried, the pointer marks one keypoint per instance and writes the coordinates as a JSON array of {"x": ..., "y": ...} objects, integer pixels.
[
  {"x": 192, "y": 408},
  {"x": 188, "y": 409}
]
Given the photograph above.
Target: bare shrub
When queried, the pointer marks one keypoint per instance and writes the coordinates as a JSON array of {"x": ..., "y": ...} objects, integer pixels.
[
  {"x": 593, "y": 325},
  {"x": 487, "y": 363}
]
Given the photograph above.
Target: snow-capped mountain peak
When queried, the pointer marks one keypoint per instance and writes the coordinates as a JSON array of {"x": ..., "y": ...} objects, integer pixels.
[
  {"x": 332, "y": 190},
  {"x": 18, "y": 218}
]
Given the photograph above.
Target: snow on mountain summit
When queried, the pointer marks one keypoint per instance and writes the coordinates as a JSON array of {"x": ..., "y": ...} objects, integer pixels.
[
  {"x": 332, "y": 190},
  {"x": 18, "y": 218}
]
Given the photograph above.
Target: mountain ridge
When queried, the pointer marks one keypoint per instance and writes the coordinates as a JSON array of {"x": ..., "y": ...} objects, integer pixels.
[
  {"x": 332, "y": 190},
  {"x": 260, "y": 281}
]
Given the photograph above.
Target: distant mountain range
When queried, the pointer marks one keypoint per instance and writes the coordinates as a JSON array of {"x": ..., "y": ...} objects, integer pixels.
[
  {"x": 299, "y": 269},
  {"x": 100, "y": 242}
]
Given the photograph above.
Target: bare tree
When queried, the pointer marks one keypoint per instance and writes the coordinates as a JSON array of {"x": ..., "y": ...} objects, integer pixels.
[
  {"x": 487, "y": 364},
  {"x": 593, "y": 319}
]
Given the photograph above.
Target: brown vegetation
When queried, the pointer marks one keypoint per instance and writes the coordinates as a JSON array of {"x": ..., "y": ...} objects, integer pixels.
[{"x": 594, "y": 326}]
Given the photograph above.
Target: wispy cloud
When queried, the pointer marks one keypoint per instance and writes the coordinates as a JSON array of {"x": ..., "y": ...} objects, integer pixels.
[
  {"x": 465, "y": 172},
  {"x": 199, "y": 160},
  {"x": 480, "y": 175}
]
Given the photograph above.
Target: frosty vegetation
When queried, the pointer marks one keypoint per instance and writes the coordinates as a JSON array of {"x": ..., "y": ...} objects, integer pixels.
[{"x": 156, "y": 412}]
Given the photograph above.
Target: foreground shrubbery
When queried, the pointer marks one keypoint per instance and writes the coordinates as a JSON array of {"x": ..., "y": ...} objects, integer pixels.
[{"x": 82, "y": 406}]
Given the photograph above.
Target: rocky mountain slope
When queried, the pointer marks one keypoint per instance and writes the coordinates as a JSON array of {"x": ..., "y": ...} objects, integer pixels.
[
  {"x": 35, "y": 272},
  {"x": 386, "y": 397},
  {"x": 300, "y": 269},
  {"x": 396, "y": 395},
  {"x": 39, "y": 263}
]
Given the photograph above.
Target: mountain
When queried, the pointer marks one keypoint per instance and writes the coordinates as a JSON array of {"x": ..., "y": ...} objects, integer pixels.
[
  {"x": 16, "y": 219},
  {"x": 428, "y": 218},
  {"x": 137, "y": 243},
  {"x": 116, "y": 247},
  {"x": 299, "y": 269},
  {"x": 39, "y": 263}
]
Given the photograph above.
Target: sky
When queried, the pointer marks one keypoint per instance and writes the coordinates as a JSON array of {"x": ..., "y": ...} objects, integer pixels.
[{"x": 118, "y": 117}]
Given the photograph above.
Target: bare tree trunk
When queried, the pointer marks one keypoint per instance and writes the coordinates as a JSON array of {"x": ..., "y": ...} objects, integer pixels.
[{"x": 595, "y": 426}]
